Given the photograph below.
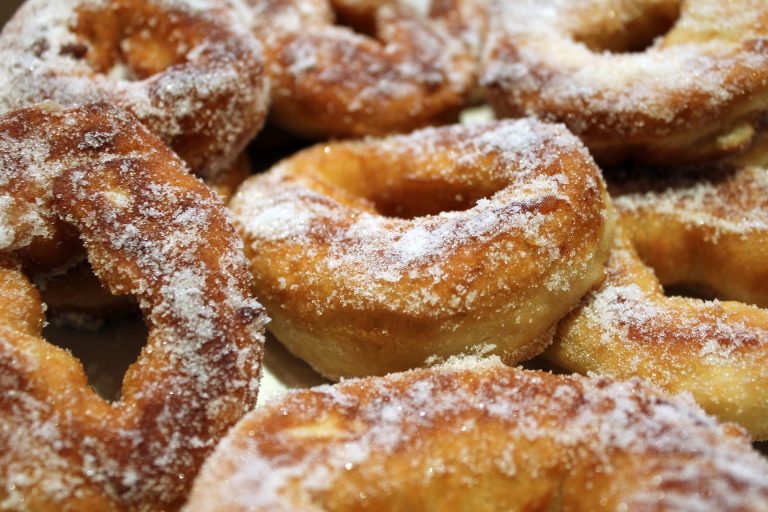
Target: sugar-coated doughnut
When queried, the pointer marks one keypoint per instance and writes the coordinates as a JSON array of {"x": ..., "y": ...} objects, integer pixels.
[
  {"x": 484, "y": 437},
  {"x": 188, "y": 69},
  {"x": 329, "y": 81},
  {"x": 372, "y": 256},
  {"x": 704, "y": 228},
  {"x": 715, "y": 350},
  {"x": 695, "y": 93},
  {"x": 152, "y": 230}
]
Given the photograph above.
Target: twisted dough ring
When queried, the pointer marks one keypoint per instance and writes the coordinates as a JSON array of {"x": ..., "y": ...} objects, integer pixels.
[
  {"x": 482, "y": 438},
  {"x": 361, "y": 273},
  {"x": 331, "y": 81},
  {"x": 185, "y": 68},
  {"x": 708, "y": 230},
  {"x": 694, "y": 94},
  {"x": 151, "y": 230}
]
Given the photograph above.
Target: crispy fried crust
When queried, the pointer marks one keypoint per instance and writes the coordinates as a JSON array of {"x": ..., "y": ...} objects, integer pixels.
[
  {"x": 188, "y": 69},
  {"x": 482, "y": 437},
  {"x": 362, "y": 274},
  {"x": 695, "y": 94},
  {"x": 329, "y": 81},
  {"x": 151, "y": 230}
]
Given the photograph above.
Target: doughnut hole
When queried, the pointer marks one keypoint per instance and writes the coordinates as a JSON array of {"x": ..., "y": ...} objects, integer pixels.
[
  {"x": 632, "y": 31},
  {"x": 392, "y": 189},
  {"x": 688, "y": 291},
  {"x": 105, "y": 353},
  {"x": 130, "y": 42}
]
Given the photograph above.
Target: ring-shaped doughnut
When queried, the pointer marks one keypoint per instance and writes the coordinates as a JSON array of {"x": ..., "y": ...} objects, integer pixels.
[
  {"x": 704, "y": 229},
  {"x": 717, "y": 351},
  {"x": 329, "y": 81},
  {"x": 485, "y": 437},
  {"x": 188, "y": 69},
  {"x": 372, "y": 256},
  {"x": 694, "y": 94},
  {"x": 153, "y": 230}
]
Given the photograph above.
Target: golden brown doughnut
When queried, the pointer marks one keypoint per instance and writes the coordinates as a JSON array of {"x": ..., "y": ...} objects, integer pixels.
[
  {"x": 151, "y": 230},
  {"x": 482, "y": 437},
  {"x": 717, "y": 351},
  {"x": 372, "y": 256},
  {"x": 188, "y": 69},
  {"x": 695, "y": 93},
  {"x": 704, "y": 229},
  {"x": 329, "y": 81}
]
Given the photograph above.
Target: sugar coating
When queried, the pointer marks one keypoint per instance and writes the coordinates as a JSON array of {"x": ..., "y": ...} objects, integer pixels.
[
  {"x": 151, "y": 231},
  {"x": 216, "y": 93},
  {"x": 301, "y": 446},
  {"x": 624, "y": 310},
  {"x": 663, "y": 89}
]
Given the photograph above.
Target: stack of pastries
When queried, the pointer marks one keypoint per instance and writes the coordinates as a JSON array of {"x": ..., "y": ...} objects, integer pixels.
[{"x": 231, "y": 167}]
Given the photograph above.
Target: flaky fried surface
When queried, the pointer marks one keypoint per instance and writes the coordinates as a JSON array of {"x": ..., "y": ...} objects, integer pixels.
[
  {"x": 151, "y": 230},
  {"x": 188, "y": 69},
  {"x": 372, "y": 256},
  {"x": 694, "y": 94},
  {"x": 482, "y": 437}
]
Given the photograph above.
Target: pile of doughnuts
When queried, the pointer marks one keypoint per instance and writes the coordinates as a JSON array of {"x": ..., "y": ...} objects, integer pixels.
[{"x": 185, "y": 162}]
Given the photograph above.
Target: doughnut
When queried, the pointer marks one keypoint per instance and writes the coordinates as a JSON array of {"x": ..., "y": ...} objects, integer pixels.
[
  {"x": 188, "y": 69},
  {"x": 329, "y": 81},
  {"x": 485, "y": 437},
  {"x": 715, "y": 350},
  {"x": 706, "y": 229},
  {"x": 665, "y": 82},
  {"x": 151, "y": 230},
  {"x": 372, "y": 256}
]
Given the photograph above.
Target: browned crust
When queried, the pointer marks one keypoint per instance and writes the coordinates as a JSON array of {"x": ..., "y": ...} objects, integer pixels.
[
  {"x": 332, "y": 82},
  {"x": 717, "y": 351},
  {"x": 696, "y": 124}
]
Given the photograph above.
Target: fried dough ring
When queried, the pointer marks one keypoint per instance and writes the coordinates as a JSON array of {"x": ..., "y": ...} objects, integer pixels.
[
  {"x": 187, "y": 69},
  {"x": 482, "y": 438},
  {"x": 717, "y": 351},
  {"x": 362, "y": 275},
  {"x": 707, "y": 229},
  {"x": 152, "y": 230},
  {"x": 695, "y": 94},
  {"x": 329, "y": 81}
]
